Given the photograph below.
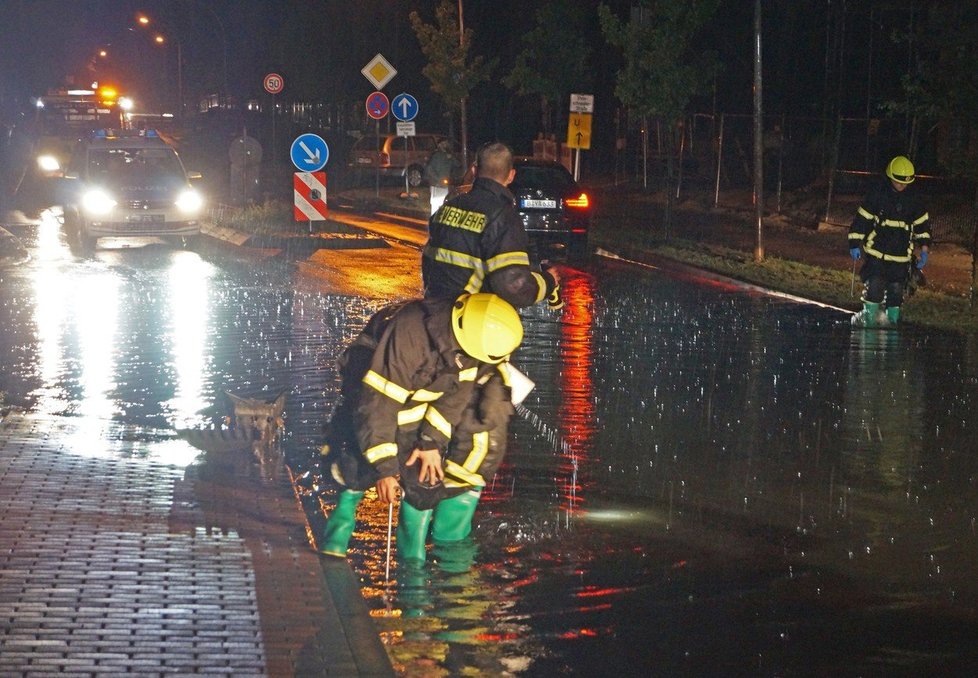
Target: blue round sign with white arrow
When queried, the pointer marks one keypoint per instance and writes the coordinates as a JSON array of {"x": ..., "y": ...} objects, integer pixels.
[
  {"x": 404, "y": 107},
  {"x": 309, "y": 153}
]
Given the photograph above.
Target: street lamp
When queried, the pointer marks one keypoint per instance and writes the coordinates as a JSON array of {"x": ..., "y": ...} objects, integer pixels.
[
  {"x": 160, "y": 39},
  {"x": 101, "y": 54},
  {"x": 145, "y": 21},
  {"x": 224, "y": 41}
]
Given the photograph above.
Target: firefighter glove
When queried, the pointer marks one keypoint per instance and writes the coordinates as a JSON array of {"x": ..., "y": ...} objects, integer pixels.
[
  {"x": 855, "y": 253},
  {"x": 923, "y": 259},
  {"x": 554, "y": 300}
]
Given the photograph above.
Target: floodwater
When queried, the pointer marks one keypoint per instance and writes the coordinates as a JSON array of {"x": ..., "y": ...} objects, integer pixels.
[
  {"x": 703, "y": 482},
  {"x": 707, "y": 482}
]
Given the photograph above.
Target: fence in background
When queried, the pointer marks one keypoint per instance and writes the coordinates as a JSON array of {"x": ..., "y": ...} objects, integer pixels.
[{"x": 827, "y": 164}]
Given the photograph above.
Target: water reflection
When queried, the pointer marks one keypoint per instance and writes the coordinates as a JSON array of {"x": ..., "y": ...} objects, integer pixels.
[
  {"x": 189, "y": 329},
  {"x": 576, "y": 415},
  {"x": 99, "y": 351},
  {"x": 735, "y": 504},
  {"x": 767, "y": 492}
]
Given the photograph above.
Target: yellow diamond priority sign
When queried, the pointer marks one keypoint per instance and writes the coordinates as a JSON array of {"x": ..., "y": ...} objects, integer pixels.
[{"x": 379, "y": 71}]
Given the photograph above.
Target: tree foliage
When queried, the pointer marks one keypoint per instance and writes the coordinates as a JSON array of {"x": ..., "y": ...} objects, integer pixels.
[
  {"x": 665, "y": 63},
  {"x": 452, "y": 71},
  {"x": 941, "y": 92},
  {"x": 555, "y": 60}
]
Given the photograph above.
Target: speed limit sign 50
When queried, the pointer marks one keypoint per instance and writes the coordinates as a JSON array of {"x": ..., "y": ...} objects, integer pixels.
[{"x": 274, "y": 83}]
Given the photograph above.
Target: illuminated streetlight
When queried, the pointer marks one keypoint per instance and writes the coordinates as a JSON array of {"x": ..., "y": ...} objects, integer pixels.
[
  {"x": 93, "y": 66},
  {"x": 160, "y": 39},
  {"x": 144, "y": 20}
]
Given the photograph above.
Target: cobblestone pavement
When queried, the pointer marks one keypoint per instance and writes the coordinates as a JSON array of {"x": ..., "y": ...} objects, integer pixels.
[{"x": 113, "y": 564}]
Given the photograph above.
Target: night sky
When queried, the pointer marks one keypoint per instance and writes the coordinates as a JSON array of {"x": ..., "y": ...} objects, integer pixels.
[{"x": 319, "y": 47}]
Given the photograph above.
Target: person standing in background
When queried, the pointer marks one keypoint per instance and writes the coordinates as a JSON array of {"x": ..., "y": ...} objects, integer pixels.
[
  {"x": 889, "y": 223},
  {"x": 438, "y": 173}
]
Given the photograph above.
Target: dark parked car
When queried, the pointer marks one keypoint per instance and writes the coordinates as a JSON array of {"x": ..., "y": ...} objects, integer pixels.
[{"x": 554, "y": 207}]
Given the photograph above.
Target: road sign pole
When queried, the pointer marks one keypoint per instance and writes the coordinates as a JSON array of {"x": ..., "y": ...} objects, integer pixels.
[
  {"x": 377, "y": 168},
  {"x": 407, "y": 188},
  {"x": 274, "y": 154}
]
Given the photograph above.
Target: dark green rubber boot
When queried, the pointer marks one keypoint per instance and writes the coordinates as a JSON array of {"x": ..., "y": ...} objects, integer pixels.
[
  {"x": 412, "y": 533},
  {"x": 339, "y": 526},
  {"x": 893, "y": 315},
  {"x": 453, "y": 517},
  {"x": 868, "y": 316}
]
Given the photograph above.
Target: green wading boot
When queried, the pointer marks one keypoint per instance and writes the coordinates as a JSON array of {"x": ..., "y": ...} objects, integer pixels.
[
  {"x": 339, "y": 526},
  {"x": 412, "y": 533},
  {"x": 868, "y": 316},
  {"x": 453, "y": 517},
  {"x": 893, "y": 315}
]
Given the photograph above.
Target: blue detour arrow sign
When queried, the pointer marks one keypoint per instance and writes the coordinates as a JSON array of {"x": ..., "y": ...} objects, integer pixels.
[{"x": 309, "y": 153}]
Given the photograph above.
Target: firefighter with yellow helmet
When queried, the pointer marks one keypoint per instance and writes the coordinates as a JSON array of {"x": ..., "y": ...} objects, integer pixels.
[
  {"x": 889, "y": 224},
  {"x": 408, "y": 381}
]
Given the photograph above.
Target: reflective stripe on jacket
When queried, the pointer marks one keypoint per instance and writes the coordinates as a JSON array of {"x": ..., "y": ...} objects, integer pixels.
[
  {"x": 889, "y": 223},
  {"x": 479, "y": 444},
  {"x": 414, "y": 386},
  {"x": 477, "y": 243}
]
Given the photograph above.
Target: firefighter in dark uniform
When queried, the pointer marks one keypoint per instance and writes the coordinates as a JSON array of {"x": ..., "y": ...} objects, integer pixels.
[
  {"x": 408, "y": 380},
  {"x": 889, "y": 224},
  {"x": 477, "y": 243}
]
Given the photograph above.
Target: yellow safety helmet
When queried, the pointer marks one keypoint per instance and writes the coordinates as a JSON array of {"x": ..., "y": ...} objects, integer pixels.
[
  {"x": 486, "y": 326},
  {"x": 900, "y": 170}
]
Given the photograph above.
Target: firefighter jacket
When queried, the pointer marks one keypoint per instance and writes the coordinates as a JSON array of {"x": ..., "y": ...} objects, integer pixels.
[
  {"x": 479, "y": 441},
  {"x": 415, "y": 384},
  {"x": 477, "y": 243},
  {"x": 889, "y": 223}
]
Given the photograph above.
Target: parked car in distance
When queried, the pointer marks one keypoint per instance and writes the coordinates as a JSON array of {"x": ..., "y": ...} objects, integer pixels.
[
  {"x": 554, "y": 208},
  {"x": 129, "y": 184},
  {"x": 392, "y": 156}
]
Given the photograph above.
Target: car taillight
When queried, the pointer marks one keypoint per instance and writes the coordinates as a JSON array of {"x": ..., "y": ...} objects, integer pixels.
[{"x": 581, "y": 201}]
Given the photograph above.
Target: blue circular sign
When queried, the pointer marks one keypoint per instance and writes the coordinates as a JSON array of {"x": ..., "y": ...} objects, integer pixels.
[
  {"x": 404, "y": 107},
  {"x": 309, "y": 153}
]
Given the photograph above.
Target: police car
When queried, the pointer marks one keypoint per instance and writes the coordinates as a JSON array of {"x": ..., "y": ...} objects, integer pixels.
[{"x": 129, "y": 184}]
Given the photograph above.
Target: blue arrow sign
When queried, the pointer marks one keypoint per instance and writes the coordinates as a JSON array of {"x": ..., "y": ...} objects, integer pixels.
[
  {"x": 404, "y": 107},
  {"x": 309, "y": 153}
]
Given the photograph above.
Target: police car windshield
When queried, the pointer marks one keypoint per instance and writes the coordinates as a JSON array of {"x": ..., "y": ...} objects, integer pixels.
[{"x": 145, "y": 163}]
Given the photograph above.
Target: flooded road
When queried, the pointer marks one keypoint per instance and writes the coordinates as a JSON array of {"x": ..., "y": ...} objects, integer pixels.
[{"x": 703, "y": 482}]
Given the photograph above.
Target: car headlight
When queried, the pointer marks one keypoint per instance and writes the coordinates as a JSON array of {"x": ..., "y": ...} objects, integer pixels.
[
  {"x": 189, "y": 201},
  {"x": 48, "y": 163},
  {"x": 97, "y": 201}
]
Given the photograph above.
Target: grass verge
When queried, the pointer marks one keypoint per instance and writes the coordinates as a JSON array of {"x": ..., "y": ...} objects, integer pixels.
[{"x": 924, "y": 308}]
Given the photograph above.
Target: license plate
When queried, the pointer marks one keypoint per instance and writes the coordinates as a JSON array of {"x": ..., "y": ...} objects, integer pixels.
[
  {"x": 144, "y": 218},
  {"x": 533, "y": 203}
]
